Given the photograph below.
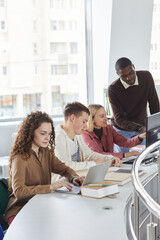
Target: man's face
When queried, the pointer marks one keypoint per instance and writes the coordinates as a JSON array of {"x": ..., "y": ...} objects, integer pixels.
[
  {"x": 80, "y": 123},
  {"x": 127, "y": 74}
]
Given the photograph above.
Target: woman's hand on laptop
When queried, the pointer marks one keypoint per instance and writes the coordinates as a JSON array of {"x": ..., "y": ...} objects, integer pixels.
[
  {"x": 60, "y": 184},
  {"x": 116, "y": 162},
  {"x": 78, "y": 181}
]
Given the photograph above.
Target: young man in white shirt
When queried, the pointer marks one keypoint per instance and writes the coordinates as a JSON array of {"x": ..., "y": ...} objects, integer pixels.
[{"x": 69, "y": 145}]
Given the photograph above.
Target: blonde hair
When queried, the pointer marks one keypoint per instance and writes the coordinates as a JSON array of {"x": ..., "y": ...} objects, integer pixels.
[{"x": 93, "y": 108}]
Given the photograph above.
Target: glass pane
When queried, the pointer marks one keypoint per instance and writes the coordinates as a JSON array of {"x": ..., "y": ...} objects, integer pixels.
[{"x": 42, "y": 56}]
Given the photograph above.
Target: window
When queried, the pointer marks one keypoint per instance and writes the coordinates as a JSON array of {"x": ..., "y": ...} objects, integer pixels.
[
  {"x": 73, "y": 3},
  {"x": 58, "y": 47},
  {"x": 53, "y": 47},
  {"x": 2, "y": 3},
  {"x": 60, "y": 99},
  {"x": 4, "y": 70},
  {"x": 57, "y": 3},
  {"x": 53, "y": 25},
  {"x": 8, "y": 106},
  {"x": 57, "y": 25},
  {"x": 59, "y": 69},
  {"x": 31, "y": 102},
  {"x": 35, "y": 48},
  {"x": 73, "y": 68},
  {"x": 3, "y": 25},
  {"x": 73, "y": 47},
  {"x": 61, "y": 25}
]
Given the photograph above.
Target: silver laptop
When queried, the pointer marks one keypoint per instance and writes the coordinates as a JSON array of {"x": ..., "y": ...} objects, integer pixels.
[{"x": 94, "y": 174}]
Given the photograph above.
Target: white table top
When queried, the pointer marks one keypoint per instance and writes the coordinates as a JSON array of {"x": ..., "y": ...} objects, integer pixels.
[{"x": 73, "y": 217}]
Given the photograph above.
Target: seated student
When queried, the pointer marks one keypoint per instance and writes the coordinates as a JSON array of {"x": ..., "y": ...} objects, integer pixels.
[
  {"x": 100, "y": 136},
  {"x": 69, "y": 145},
  {"x": 32, "y": 160}
]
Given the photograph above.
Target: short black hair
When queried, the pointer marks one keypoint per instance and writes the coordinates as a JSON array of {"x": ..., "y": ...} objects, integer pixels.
[
  {"x": 75, "y": 108},
  {"x": 122, "y": 63}
]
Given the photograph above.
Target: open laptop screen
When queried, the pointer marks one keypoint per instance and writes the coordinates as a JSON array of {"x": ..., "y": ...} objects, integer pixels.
[{"x": 152, "y": 129}]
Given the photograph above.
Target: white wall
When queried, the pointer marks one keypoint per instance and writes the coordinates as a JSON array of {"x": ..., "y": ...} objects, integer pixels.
[
  {"x": 120, "y": 28},
  {"x": 130, "y": 33}
]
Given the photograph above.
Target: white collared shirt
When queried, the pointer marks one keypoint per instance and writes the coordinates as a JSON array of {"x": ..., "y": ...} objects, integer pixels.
[{"x": 127, "y": 85}]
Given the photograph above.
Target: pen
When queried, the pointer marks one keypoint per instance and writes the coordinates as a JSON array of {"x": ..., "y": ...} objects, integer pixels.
[{"x": 97, "y": 185}]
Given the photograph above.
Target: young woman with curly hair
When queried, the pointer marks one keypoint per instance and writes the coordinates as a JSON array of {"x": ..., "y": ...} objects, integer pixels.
[
  {"x": 32, "y": 161},
  {"x": 101, "y": 137}
]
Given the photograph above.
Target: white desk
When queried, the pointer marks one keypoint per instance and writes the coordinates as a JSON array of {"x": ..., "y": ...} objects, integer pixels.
[{"x": 72, "y": 217}]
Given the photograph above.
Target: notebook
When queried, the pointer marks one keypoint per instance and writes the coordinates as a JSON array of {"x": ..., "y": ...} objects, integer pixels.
[{"x": 94, "y": 174}]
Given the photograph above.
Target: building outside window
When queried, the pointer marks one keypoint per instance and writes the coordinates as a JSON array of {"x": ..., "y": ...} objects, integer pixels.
[
  {"x": 40, "y": 63},
  {"x": 31, "y": 102}
]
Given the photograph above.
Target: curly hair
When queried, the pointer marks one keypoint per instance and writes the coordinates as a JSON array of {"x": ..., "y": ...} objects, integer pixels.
[
  {"x": 93, "y": 109},
  {"x": 23, "y": 142}
]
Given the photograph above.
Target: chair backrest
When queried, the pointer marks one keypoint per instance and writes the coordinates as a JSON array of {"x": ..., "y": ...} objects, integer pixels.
[{"x": 4, "y": 195}]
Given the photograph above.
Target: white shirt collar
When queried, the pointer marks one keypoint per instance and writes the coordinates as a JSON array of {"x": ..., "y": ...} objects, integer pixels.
[{"x": 125, "y": 85}]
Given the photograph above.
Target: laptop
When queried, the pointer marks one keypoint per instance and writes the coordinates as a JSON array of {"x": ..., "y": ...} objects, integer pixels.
[{"x": 94, "y": 174}]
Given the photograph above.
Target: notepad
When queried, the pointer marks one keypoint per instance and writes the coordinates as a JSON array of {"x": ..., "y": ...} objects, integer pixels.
[{"x": 121, "y": 176}]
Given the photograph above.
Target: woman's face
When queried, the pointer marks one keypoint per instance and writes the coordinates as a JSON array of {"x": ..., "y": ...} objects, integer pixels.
[
  {"x": 42, "y": 135},
  {"x": 100, "y": 119}
]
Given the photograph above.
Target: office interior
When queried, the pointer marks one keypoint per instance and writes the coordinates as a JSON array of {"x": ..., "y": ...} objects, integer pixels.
[{"x": 67, "y": 52}]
